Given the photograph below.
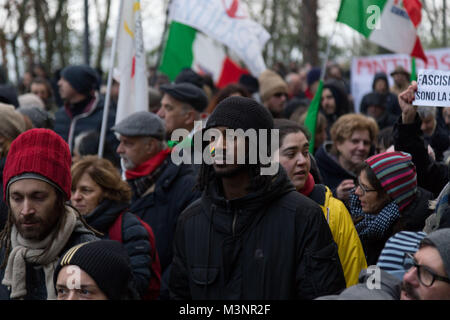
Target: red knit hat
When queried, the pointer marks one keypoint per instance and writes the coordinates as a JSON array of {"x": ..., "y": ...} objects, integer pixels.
[{"x": 40, "y": 152}]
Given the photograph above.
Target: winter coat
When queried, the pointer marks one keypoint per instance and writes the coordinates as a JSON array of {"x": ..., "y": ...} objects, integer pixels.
[
  {"x": 3, "y": 207},
  {"x": 134, "y": 238},
  {"x": 412, "y": 218},
  {"x": 69, "y": 127},
  {"x": 431, "y": 175},
  {"x": 390, "y": 288},
  {"x": 439, "y": 141},
  {"x": 332, "y": 172},
  {"x": 173, "y": 192},
  {"x": 36, "y": 287},
  {"x": 351, "y": 253},
  {"x": 273, "y": 243}
]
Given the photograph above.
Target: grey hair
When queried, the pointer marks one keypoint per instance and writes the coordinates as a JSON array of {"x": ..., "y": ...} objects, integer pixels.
[{"x": 425, "y": 112}]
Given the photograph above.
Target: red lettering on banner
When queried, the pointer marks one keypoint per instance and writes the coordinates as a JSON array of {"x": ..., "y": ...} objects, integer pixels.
[
  {"x": 432, "y": 62},
  {"x": 362, "y": 63},
  {"x": 445, "y": 60}
]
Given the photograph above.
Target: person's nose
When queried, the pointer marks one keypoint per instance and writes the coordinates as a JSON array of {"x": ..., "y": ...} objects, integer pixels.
[
  {"x": 412, "y": 277},
  {"x": 76, "y": 196},
  {"x": 161, "y": 113},
  {"x": 119, "y": 149},
  {"x": 72, "y": 295},
  {"x": 28, "y": 208}
]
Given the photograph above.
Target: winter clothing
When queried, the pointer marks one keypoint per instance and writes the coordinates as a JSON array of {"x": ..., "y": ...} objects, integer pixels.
[
  {"x": 39, "y": 117},
  {"x": 271, "y": 83},
  {"x": 272, "y": 243},
  {"x": 431, "y": 175},
  {"x": 23, "y": 274},
  {"x": 188, "y": 93},
  {"x": 134, "y": 238},
  {"x": 190, "y": 76},
  {"x": 331, "y": 171},
  {"x": 82, "y": 78},
  {"x": 8, "y": 95},
  {"x": 440, "y": 240},
  {"x": 351, "y": 253},
  {"x": 249, "y": 82},
  {"x": 313, "y": 75},
  {"x": 439, "y": 141},
  {"x": 161, "y": 205},
  {"x": 42, "y": 152},
  {"x": 390, "y": 99},
  {"x": 29, "y": 100},
  {"x": 87, "y": 115},
  {"x": 375, "y": 99},
  {"x": 141, "y": 123},
  {"x": 375, "y": 230},
  {"x": 3, "y": 207},
  {"x": 390, "y": 288},
  {"x": 105, "y": 261},
  {"x": 397, "y": 176}
]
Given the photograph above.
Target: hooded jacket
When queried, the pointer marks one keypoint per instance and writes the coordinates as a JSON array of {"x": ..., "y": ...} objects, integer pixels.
[
  {"x": 390, "y": 99},
  {"x": 273, "y": 243},
  {"x": 351, "y": 253}
]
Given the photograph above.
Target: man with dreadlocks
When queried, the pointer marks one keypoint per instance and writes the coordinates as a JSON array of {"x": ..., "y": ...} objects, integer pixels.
[
  {"x": 40, "y": 227},
  {"x": 251, "y": 235}
]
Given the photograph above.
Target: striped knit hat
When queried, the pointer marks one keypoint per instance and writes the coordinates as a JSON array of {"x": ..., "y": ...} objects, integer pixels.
[{"x": 397, "y": 175}]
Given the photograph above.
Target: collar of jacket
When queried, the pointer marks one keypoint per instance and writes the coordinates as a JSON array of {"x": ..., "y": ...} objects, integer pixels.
[
  {"x": 89, "y": 104},
  {"x": 103, "y": 216}
]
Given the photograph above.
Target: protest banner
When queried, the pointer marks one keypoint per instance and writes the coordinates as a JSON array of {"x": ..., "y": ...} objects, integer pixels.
[
  {"x": 364, "y": 68},
  {"x": 433, "y": 88}
]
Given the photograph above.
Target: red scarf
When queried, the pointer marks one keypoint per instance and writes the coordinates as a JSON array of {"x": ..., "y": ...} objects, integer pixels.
[
  {"x": 146, "y": 168},
  {"x": 309, "y": 186}
]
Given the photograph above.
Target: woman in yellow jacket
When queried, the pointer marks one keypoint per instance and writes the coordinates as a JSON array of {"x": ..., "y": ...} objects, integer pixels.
[{"x": 293, "y": 155}]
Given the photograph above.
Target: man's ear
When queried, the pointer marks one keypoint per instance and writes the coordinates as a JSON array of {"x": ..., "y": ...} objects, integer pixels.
[{"x": 190, "y": 117}]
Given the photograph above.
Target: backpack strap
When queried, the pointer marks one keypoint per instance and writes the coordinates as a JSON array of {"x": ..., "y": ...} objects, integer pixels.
[{"x": 115, "y": 231}]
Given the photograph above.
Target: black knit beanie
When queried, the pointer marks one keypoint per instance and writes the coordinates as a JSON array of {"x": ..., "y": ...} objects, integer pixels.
[
  {"x": 240, "y": 113},
  {"x": 106, "y": 261},
  {"x": 82, "y": 78}
]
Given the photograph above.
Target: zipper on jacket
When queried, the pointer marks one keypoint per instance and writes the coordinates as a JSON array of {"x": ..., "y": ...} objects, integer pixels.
[{"x": 233, "y": 226}]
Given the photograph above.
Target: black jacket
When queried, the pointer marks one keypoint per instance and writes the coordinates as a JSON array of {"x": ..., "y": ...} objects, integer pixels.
[
  {"x": 134, "y": 238},
  {"x": 431, "y": 175},
  {"x": 35, "y": 277},
  {"x": 331, "y": 171},
  {"x": 273, "y": 243},
  {"x": 174, "y": 191},
  {"x": 69, "y": 126}
]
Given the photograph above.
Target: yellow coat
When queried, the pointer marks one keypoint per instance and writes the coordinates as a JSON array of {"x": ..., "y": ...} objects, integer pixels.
[{"x": 350, "y": 249}]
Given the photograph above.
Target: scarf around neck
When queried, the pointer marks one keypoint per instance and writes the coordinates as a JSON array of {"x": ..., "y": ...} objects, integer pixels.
[
  {"x": 309, "y": 185},
  {"x": 146, "y": 168},
  {"x": 373, "y": 226},
  {"x": 45, "y": 252}
]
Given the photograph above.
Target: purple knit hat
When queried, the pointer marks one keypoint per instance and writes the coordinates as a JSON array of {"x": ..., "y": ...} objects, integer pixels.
[{"x": 397, "y": 175}]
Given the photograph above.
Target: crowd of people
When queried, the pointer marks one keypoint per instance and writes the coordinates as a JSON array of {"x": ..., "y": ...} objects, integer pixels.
[{"x": 135, "y": 224}]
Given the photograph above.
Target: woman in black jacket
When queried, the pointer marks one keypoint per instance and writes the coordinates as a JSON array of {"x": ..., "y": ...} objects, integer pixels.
[{"x": 102, "y": 197}]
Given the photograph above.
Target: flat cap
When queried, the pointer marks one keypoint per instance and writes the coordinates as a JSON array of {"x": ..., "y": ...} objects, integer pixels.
[
  {"x": 188, "y": 93},
  {"x": 141, "y": 123}
]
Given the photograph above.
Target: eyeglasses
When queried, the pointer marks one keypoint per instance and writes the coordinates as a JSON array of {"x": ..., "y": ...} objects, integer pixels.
[
  {"x": 364, "y": 189},
  {"x": 425, "y": 274}
]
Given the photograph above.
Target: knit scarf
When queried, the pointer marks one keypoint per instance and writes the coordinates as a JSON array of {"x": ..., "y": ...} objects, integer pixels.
[
  {"x": 309, "y": 185},
  {"x": 144, "y": 176},
  {"x": 44, "y": 252},
  {"x": 146, "y": 168},
  {"x": 373, "y": 226}
]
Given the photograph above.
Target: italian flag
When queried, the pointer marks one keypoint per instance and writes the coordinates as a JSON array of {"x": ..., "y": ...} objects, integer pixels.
[
  {"x": 391, "y": 24},
  {"x": 187, "y": 47}
]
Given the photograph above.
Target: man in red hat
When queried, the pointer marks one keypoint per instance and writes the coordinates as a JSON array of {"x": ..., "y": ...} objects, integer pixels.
[{"x": 40, "y": 227}]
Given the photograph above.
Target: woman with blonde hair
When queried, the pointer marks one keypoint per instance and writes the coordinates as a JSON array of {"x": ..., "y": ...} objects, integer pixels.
[
  {"x": 353, "y": 139},
  {"x": 103, "y": 198}
]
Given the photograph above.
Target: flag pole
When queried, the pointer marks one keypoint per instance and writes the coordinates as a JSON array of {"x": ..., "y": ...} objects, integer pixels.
[
  {"x": 101, "y": 144},
  {"x": 161, "y": 47},
  {"x": 413, "y": 76},
  {"x": 313, "y": 110}
]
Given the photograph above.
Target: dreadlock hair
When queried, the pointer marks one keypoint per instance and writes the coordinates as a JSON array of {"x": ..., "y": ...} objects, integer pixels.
[{"x": 60, "y": 206}]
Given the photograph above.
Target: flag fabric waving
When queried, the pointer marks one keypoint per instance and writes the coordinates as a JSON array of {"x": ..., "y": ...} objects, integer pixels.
[
  {"x": 189, "y": 48},
  {"x": 391, "y": 24},
  {"x": 225, "y": 21},
  {"x": 131, "y": 68}
]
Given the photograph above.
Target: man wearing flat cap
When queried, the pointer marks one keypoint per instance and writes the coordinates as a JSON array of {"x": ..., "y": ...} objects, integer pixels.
[
  {"x": 83, "y": 106},
  {"x": 401, "y": 80},
  {"x": 181, "y": 105},
  {"x": 161, "y": 189}
]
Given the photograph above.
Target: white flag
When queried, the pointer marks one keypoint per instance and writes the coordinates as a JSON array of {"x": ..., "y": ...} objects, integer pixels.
[
  {"x": 131, "y": 70},
  {"x": 226, "y": 21}
]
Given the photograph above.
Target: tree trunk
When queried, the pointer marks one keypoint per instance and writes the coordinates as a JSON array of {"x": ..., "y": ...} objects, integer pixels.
[
  {"x": 102, "y": 35},
  {"x": 309, "y": 36}
]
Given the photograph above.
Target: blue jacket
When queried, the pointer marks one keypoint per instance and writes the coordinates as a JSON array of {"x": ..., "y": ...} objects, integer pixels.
[
  {"x": 134, "y": 238},
  {"x": 68, "y": 126},
  {"x": 174, "y": 191}
]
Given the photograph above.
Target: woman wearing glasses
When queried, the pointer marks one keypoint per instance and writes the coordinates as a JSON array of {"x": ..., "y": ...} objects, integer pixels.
[{"x": 387, "y": 200}]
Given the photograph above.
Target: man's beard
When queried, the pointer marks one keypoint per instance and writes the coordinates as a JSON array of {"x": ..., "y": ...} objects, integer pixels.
[
  {"x": 126, "y": 162},
  {"x": 408, "y": 289},
  {"x": 42, "y": 228},
  {"x": 229, "y": 172}
]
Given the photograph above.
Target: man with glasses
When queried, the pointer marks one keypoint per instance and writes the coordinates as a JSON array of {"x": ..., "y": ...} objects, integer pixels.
[
  {"x": 273, "y": 91},
  {"x": 427, "y": 277}
]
